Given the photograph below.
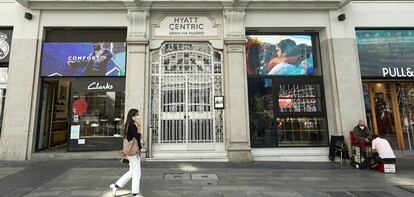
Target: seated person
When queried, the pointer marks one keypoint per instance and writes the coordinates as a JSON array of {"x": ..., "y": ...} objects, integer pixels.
[{"x": 361, "y": 135}]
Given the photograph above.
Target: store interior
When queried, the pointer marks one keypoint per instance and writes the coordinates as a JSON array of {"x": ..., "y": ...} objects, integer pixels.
[
  {"x": 66, "y": 113},
  {"x": 389, "y": 108}
]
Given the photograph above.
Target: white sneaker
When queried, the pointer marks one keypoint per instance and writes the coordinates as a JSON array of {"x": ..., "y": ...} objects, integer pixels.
[{"x": 113, "y": 189}]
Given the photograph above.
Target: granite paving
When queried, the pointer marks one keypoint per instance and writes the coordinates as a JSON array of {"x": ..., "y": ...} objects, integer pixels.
[{"x": 187, "y": 179}]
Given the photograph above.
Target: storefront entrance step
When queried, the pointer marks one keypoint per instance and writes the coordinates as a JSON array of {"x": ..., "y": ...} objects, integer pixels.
[
  {"x": 189, "y": 159},
  {"x": 76, "y": 155}
]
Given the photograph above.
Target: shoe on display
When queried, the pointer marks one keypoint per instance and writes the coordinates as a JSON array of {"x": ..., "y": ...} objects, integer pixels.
[{"x": 113, "y": 189}]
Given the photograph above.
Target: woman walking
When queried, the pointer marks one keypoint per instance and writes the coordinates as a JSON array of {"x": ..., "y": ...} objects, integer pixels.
[{"x": 132, "y": 125}]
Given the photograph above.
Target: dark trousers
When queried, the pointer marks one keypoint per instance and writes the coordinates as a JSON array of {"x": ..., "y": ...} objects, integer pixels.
[{"x": 361, "y": 142}]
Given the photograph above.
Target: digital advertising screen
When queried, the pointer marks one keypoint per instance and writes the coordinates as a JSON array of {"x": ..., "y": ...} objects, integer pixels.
[
  {"x": 73, "y": 59},
  {"x": 279, "y": 55},
  {"x": 386, "y": 53}
]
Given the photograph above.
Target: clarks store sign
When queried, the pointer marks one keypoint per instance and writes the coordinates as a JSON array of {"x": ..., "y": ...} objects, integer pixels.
[
  {"x": 397, "y": 72},
  {"x": 99, "y": 85},
  {"x": 186, "y": 26}
]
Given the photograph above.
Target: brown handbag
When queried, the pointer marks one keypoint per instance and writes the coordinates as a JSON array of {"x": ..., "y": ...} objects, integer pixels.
[{"x": 130, "y": 147}]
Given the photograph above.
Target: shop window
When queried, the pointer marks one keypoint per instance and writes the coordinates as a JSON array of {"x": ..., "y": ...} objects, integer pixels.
[
  {"x": 98, "y": 113},
  {"x": 286, "y": 99},
  {"x": 301, "y": 131},
  {"x": 299, "y": 98},
  {"x": 5, "y": 49},
  {"x": 3, "y": 87},
  {"x": 261, "y": 113}
]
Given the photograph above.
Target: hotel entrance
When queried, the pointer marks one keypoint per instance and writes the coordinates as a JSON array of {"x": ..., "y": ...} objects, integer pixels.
[{"x": 389, "y": 107}]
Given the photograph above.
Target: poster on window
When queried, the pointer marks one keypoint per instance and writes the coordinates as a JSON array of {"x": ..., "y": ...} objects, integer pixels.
[
  {"x": 62, "y": 59},
  {"x": 5, "y": 45},
  {"x": 386, "y": 53},
  {"x": 279, "y": 55}
]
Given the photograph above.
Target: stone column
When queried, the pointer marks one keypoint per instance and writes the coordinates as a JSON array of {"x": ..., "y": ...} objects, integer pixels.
[
  {"x": 136, "y": 90},
  {"x": 14, "y": 139},
  {"x": 237, "y": 119},
  {"x": 345, "y": 70}
]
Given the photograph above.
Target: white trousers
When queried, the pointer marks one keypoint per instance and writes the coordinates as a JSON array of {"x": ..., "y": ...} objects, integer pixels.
[{"x": 134, "y": 173}]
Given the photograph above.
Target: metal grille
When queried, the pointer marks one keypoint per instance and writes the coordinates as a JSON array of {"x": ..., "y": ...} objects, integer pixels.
[{"x": 185, "y": 77}]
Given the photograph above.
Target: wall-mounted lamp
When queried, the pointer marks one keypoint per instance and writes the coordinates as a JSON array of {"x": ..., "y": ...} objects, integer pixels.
[
  {"x": 28, "y": 16},
  {"x": 341, "y": 17}
]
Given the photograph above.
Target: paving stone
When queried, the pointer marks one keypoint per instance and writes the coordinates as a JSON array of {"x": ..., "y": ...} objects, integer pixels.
[
  {"x": 256, "y": 179},
  {"x": 282, "y": 194},
  {"x": 372, "y": 194},
  {"x": 204, "y": 177},
  {"x": 45, "y": 193},
  {"x": 6, "y": 171},
  {"x": 177, "y": 176},
  {"x": 339, "y": 194},
  {"x": 86, "y": 193},
  {"x": 203, "y": 193},
  {"x": 314, "y": 194}
]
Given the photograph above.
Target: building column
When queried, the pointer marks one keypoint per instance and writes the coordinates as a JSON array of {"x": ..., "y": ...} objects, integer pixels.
[
  {"x": 14, "y": 141},
  {"x": 237, "y": 119},
  {"x": 345, "y": 70},
  {"x": 136, "y": 90}
]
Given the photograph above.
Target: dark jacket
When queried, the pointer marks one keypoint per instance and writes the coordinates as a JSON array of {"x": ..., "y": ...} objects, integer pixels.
[
  {"x": 361, "y": 133},
  {"x": 132, "y": 131}
]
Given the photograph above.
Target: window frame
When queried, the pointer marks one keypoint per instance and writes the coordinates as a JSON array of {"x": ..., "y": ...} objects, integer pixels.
[{"x": 277, "y": 80}]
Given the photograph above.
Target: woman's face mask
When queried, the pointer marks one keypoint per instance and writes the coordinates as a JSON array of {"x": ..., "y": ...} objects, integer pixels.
[{"x": 135, "y": 118}]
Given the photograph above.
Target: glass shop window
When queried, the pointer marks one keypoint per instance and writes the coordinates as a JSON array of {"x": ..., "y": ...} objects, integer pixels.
[{"x": 98, "y": 113}]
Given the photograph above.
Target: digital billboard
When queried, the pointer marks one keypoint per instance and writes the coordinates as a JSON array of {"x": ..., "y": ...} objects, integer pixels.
[
  {"x": 72, "y": 59},
  {"x": 279, "y": 55},
  {"x": 386, "y": 53}
]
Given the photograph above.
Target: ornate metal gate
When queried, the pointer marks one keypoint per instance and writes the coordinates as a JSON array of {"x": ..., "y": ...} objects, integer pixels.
[{"x": 185, "y": 77}]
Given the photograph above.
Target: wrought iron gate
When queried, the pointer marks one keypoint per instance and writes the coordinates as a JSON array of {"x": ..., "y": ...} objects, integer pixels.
[{"x": 185, "y": 77}]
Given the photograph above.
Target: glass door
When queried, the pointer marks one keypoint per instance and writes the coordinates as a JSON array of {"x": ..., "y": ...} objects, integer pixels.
[
  {"x": 390, "y": 107},
  {"x": 53, "y": 125}
]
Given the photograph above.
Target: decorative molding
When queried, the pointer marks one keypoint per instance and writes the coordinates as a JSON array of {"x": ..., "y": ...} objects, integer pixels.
[
  {"x": 234, "y": 24},
  {"x": 235, "y": 45},
  {"x": 137, "y": 25},
  {"x": 193, "y": 5}
]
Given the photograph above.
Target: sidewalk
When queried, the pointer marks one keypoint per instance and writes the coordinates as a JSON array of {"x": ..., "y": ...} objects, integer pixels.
[{"x": 92, "y": 177}]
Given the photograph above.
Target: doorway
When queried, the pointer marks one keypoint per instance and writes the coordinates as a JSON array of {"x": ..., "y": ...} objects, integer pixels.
[
  {"x": 185, "y": 78},
  {"x": 390, "y": 107},
  {"x": 53, "y": 124}
]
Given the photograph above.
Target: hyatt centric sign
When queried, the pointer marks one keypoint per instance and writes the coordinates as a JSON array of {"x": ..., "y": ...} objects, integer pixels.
[
  {"x": 398, "y": 72},
  {"x": 187, "y": 26}
]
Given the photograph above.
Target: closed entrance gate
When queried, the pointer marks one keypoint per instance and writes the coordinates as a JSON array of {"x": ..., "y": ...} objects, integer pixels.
[{"x": 185, "y": 78}]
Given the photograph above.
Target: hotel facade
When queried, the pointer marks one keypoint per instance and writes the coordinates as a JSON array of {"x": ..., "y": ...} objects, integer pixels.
[{"x": 213, "y": 80}]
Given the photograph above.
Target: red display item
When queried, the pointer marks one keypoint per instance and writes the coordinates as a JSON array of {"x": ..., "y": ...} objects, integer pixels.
[{"x": 80, "y": 106}]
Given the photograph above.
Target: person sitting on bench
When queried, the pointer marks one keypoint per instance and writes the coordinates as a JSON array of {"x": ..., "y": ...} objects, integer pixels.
[{"x": 361, "y": 135}]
